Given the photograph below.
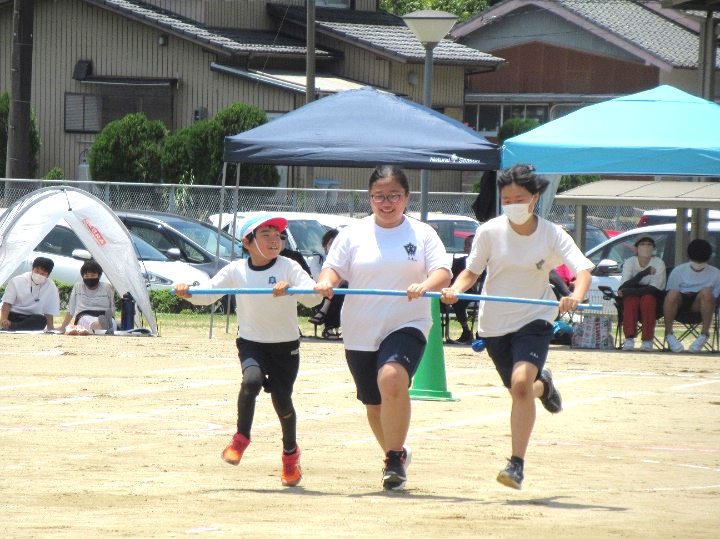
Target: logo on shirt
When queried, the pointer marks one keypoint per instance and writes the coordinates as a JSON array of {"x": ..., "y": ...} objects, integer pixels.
[
  {"x": 540, "y": 264},
  {"x": 272, "y": 280},
  {"x": 410, "y": 249}
]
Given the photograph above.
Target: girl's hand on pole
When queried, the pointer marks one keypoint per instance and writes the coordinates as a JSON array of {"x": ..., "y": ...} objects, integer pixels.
[
  {"x": 324, "y": 288},
  {"x": 567, "y": 304},
  {"x": 449, "y": 296},
  {"x": 415, "y": 290},
  {"x": 280, "y": 288},
  {"x": 182, "y": 290}
]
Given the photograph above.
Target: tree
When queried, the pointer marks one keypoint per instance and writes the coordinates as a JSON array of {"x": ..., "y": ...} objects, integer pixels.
[
  {"x": 464, "y": 9},
  {"x": 128, "y": 150},
  {"x": 34, "y": 137},
  {"x": 195, "y": 154}
]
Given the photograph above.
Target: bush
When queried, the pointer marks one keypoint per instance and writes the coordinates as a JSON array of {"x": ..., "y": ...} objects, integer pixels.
[
  {"x": 515, "y": 126},
  {"x": 128, "y": 150},
  {"x": 34, "y": 137},
  {"x": 55, "y": 173}
]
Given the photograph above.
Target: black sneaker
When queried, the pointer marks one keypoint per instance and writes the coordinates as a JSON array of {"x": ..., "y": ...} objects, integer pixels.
[
  {"x": 551, "y": 399},
  {"x": 465, "y": 338},
  {"x": 512, "y": 475},
  {"x": 394, "y": 477}
]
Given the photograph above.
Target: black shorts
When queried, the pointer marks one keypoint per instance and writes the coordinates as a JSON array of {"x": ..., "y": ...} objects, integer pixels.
[
  {"x": 404, "y": 346},
  {"x": 530, "y": 343},
  {"x": 278, "y": 361},
  {"x": 686, "y": 301}
]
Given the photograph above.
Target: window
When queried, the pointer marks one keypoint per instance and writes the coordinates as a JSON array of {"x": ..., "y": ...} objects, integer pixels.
[
  {"x": 83, "y": 113},
  {"x": 342, "y": 4},
  {"x": 486, "y": 119},
  {"x": 90, "y": 113}
]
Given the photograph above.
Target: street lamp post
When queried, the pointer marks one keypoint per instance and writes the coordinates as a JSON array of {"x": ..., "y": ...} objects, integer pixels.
[{"x": 429, "y": 26}]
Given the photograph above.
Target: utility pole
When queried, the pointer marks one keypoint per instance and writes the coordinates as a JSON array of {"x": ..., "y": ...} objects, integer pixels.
[
  {"x": 18, "y": 144},
  {"x": 310, "y": 76}
]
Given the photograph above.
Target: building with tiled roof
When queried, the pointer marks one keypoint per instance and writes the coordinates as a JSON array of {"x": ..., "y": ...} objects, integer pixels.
[
  {"x": 178, "y": 61},
  {"x": 564, "y": 54}
]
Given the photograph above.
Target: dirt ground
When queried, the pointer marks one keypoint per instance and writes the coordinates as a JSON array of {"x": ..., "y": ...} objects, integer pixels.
[{"x": 121, "y": 437}]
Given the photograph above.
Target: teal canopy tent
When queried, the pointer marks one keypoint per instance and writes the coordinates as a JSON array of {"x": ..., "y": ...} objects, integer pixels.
[{"x": 663, "y": 131}]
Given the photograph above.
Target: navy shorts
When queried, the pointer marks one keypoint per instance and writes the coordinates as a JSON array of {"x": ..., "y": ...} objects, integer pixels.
[
  {"x": 530, "y": 343},
  {"x": 404, "y": 346},
  {"x": 686, "y": 301},
  {"x": 278, "y": 361}
]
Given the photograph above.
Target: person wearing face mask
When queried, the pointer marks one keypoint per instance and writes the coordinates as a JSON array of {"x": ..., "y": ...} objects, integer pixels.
[
  {"x": 91, "y": 304},
  {"x": 692, "y": 287},
  {"x": 641, "y": 287},
  {"x": 518, "y": 250},
  {"x": 31, "y": 299}
]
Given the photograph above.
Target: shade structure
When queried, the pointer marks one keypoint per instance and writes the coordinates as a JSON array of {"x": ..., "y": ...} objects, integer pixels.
[
  {"x": 364, "y": 128},
  {"x": 663, "y": 131}
]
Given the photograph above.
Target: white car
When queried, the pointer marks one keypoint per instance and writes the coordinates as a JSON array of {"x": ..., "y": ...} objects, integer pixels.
[
  {"x": 610, "y": 255},
  {"x": 304, "y": 233},
  {"x": 68, "y": 253},
  {"x": 668, "y": 216}
]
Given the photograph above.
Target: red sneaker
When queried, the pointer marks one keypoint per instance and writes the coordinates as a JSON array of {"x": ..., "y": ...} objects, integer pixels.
[
  {"x": 234, "y": 452},
  {"x": 291, "y": 474}
]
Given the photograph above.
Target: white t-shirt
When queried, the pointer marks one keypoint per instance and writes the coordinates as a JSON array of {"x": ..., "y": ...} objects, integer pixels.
[
  {"x": 519, "y": 267},
  {"x": 368, "y": 256},
  {"x": 83, "y": 298},
  {"x": 632, "y": 267},
  {"x": 28, "y": 298},
  {"x": 262, "y": 317},
  {"x": 684, "y": 279}
]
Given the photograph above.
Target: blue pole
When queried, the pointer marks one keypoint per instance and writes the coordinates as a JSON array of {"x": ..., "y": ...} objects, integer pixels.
[{"x": 378, "y": 292}]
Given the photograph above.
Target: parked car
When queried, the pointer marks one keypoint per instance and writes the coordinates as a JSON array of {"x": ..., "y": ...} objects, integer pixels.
[
  {"x": 68, "y": 253},
  {"x": 452, "y": 229},
  {"x": 609, "y": 256},
  {"x": 182, "y": 238},
  {"x": 594, "y": 235},
  {"x": 668, "y": 216},
  {"x": 304, "y": 233}
]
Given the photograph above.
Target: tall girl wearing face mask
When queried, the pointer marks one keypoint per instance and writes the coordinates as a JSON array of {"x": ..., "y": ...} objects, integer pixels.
[
  {"x": 519, "y": 249},
  {"x": 641, "y": 287}
]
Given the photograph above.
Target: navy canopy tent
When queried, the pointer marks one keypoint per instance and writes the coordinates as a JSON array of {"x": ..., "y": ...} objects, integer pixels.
[
  {"x": 663, "y": 131},
  {"x": 364, "y": 128}
]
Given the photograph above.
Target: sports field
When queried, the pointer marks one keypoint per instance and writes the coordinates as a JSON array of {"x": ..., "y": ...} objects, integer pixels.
[{"x": 121, "y": 437}]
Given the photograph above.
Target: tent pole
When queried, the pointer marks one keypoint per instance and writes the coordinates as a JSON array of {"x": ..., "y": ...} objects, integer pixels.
[
  {"x": 217, "y": 243},
  {"x": 232, "y": 232}
]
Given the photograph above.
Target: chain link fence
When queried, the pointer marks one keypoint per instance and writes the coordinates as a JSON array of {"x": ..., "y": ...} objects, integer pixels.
[{"x": 201, "y": 201}]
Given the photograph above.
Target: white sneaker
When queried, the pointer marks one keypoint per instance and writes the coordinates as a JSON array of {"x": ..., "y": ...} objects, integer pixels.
[
  {"x": 629, "y": 344},
  {"x": 699, "y": 344},
  {"x": 674, "y": 345},
  {"x": 646, "y": 346}
]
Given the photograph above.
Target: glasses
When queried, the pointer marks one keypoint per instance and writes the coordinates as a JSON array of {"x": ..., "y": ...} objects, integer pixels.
[{"x": 379, "y": 199}]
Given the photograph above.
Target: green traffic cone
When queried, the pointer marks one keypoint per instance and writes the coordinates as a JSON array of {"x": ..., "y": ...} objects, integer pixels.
[{"x": 429, "y": 382}]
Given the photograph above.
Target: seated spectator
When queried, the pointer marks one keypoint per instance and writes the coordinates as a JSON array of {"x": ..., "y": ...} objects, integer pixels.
[
  {"x": 641, "y": 287},
  {"x": 692, "y": 287},
  {"x": 460, "y": 307},
  {"x": 92, "y": 303},
  {"x": 328, "y": 312},
  {"x": 31, "y": 299}
]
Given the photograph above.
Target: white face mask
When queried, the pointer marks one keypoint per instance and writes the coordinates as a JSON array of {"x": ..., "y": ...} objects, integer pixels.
[
  {"x": 698, "y": 266},
  {"x": 517, "y": 213},
  {"x": 645, "y": 250},
  {"x": 38, "y": 279}
]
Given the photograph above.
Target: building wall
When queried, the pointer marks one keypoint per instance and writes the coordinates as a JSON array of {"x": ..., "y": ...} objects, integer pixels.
[
  {"x": 94, "y": 34},
  {"x": 534, "y": 24},
  {"x": 539, "y": 67},
  {"x": 120, "y": 47}
]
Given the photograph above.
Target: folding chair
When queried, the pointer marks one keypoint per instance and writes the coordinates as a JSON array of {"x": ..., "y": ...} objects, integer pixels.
[
  {"x": 610, "y": 295},
  {"x": 692, "y": 325}
]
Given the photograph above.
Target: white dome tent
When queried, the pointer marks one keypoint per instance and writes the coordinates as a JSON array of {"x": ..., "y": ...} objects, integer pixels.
[{"x": 31, "y": 218}]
